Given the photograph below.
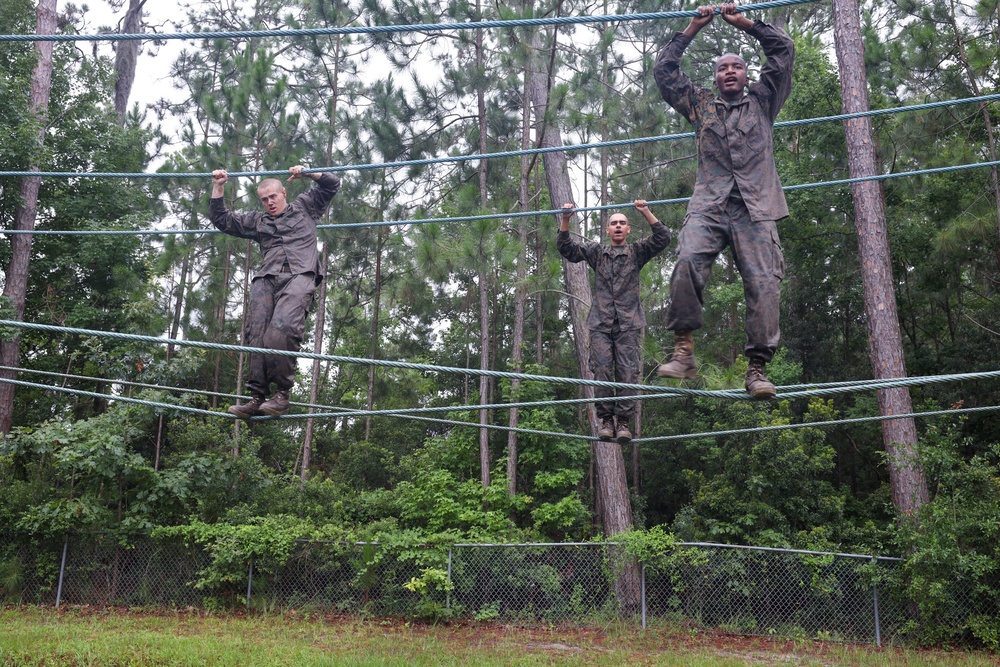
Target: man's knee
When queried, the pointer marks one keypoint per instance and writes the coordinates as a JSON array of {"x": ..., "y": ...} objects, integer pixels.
[{"x": 276, "y": 339}]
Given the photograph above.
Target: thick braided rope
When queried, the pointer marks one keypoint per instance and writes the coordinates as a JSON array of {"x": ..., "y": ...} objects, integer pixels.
[
  {"x": 341, "y": 411},
  {"x": 166, "y": 407},
  {"x": 387, "y": 29},
  {"x": 827, "y": 424},
  {"x": 500, "y": 154},
  {"x": 676, "y": 391},
  {"x": 169, "y": 407},
  {"x": 824, "y": 390},
  {"x": 496, "y": 216},
  {"x": 787, "y": 392}
]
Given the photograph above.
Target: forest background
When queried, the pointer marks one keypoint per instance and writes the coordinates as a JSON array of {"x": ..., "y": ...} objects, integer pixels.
[{"x": 490, "y": 293}]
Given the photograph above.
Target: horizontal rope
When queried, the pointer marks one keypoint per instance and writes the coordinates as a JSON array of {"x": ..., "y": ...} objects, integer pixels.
[
  {"x": 826, "y": 424},
  {"x": 340, "y": 411},
  {"x": 385, "y": 29},
  {"x": 677, "y": 391},
  {"x": 500, "y": 154},
  {"x": 865, "y": 385},
  {"x": 166, "y": 407},
  {"x": 666, "y": 438},
  {"x": 507, "y": 215}
]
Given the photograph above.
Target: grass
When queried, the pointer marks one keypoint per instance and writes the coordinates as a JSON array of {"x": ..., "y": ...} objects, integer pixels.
[{"x": 114, "y": 637}]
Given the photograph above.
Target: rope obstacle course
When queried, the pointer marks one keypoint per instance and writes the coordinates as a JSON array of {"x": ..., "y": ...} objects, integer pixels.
[{"x": 655, "y": 391}]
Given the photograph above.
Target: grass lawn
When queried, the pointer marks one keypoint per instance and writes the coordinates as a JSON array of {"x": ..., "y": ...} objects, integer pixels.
[{"x": 114, "y": 637}]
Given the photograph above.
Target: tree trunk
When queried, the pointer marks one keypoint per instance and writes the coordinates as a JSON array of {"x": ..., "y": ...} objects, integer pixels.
[
  {"x": 375, "y": 331},
  {"x": 613, "y": 502},
  {"x": 484, "y": 297},
  {"x": 126, "y": 54},
  {"x": 314, "y": 380},
  {"x": 520, "y": 289},
  {"x": 220, "y": 325},
  {"x": 15, "y": 289},
  {"x": 906, "y": 475},
  {"x": 320, "y": 327}
]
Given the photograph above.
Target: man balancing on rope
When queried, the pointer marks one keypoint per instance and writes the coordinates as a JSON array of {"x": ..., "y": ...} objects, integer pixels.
[
  {"x": 737, "y": 197},
  {"x": 282, "y": 288},
  {"x": 616, "y": 317}
]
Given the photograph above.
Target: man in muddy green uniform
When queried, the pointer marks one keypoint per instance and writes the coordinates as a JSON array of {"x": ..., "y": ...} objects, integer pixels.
[
  {"x": 616, "y": 318},
  {"x": 283, "y": 286},
  {"x": 737, "y": 196}
]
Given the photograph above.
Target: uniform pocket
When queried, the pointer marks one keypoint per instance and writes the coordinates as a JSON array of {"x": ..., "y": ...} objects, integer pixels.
[{"x": 778, "y": 261}]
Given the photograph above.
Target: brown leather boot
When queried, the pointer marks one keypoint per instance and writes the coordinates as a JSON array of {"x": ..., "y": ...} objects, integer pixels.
[
  {"x": 681, "y": 364},
  {"x": 757, "y": 384},
  {"x": 622, "y": 432},
  {"x": 277, "y": 405},
  {"x": 606, "y": 431},
  {"x": 249, "y": 409}
]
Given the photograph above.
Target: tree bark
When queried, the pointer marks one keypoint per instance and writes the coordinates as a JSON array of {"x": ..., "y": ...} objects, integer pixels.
[
  {"x": 484, "y": 297},
  {"x": 613, "y": 502},
  {"x": 376, "y": 308},
  {"x": 126, "y": 55},
  {"x": 15, "y": 290},
  {"x": 520, "y": 289},
  {"x": 906, "y": 474}
]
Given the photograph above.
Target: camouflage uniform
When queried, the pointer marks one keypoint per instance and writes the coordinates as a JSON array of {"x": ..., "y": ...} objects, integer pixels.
[
  {"x": 282, "y": 288},
  {"x": 616, "y": 317},
  {"x": 737, "y": 196}
]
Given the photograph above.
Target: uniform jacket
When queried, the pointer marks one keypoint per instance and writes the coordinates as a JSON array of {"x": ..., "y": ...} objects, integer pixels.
[
  {"x": 735, "y": 146},
  {"x": 288, "y": 238},
  {"x": 616, "y": 277}
]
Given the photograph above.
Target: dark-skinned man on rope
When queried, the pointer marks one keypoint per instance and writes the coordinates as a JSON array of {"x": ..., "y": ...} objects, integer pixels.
[
  {"x": 737, "y": 198},
  {"x": 282, "y": 288},
  {"x": 616, "y": 317}
]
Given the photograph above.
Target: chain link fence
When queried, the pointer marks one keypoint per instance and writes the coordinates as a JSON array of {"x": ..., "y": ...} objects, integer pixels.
[{"x": 744, "y": 590}]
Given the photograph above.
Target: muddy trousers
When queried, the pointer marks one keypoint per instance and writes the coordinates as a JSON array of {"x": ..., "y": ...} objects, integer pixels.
[
  {"x": 615, "y": 356},
  {"x": 276, "y": 321},
  {"x": 757, "y": 252}
]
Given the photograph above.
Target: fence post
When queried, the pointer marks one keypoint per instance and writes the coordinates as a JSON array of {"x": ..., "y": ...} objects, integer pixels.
[
  {"x": 642, "y": 591},
  {"x": 447, "y": 594},
  {"x": 878, "y": 628},
  {"x": 62, "y": 571},
  {"x": 249, "y": 583}
]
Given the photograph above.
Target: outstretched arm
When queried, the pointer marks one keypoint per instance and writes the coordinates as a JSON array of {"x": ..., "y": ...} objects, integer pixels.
[
  {"x": 675, "y": 86},
  {"x": 236, "y": 224},
  {"x": 776, "y": 75},
  {"x": 653, "y": 245},
  {"x": 731, "y": 15},
  {"x": 705, "y": 15},
  {"x": 568, "y": 247},
  {"x": 219, "y": 178},
  {"x": 317, "y": 199}
]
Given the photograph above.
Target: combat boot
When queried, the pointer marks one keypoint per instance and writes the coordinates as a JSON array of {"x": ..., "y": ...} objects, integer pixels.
[
  {"x": 249, "y": 409},
  {"x": 606, "y": 431},
  {"x": 277, "y": 405},
  {"x": 681, "y": 364},
  {"x": 758, "y": 386},
  {"x": 622, "y": 432}
]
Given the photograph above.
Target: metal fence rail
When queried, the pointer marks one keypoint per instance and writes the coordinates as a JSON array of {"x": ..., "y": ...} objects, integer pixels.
[{"x": 745, "y": 590}]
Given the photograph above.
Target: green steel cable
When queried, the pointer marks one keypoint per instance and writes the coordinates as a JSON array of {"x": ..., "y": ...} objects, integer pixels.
[
  {"x": 163, "y": 407},
  {"x": 501, "y": 154},
  {"x": 826, "y": 390},
  {"x": 384, "y": 29}
]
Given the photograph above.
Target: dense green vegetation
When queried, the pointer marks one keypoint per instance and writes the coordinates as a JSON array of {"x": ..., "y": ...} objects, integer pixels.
[{"x": 75, "y": 463}]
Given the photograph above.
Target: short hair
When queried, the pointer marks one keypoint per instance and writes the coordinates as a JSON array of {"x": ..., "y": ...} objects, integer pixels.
[
  {"x": 269, "y": 183},
  {"x": 715, "y": 65}
]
